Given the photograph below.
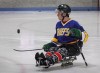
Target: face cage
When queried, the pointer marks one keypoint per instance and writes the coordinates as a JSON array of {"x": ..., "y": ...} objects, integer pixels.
[{"x": 56, "y": 11}]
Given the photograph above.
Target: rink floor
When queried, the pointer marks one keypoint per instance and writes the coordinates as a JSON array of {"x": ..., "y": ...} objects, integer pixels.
[{"x": 36, "y": 29}]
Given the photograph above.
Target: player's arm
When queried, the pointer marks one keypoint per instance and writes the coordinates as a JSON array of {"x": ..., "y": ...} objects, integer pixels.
[
  {"x": 84, "y": 33},
  {"x": 53, "y": 43}
]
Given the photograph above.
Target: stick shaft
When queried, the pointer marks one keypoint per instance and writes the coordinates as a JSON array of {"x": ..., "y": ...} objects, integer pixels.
[
  {"x": 84, "y": 59},
  {"x": 26, "y": 50}
]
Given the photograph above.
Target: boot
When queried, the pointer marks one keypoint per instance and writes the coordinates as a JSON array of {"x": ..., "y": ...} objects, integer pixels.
[
  {"x": 37, "y": 55},
  {"x": 41, "y": 60}
]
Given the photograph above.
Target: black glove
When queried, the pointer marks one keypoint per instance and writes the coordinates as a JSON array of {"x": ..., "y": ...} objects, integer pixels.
[{"x": 47, "y": 46}]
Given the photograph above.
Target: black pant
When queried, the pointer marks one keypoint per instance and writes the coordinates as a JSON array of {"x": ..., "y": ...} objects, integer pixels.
[{"x": 73, "y": 49}]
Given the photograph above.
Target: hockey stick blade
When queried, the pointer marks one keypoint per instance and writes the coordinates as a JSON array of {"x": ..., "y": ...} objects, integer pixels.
[{"x": 26, "y": 50}]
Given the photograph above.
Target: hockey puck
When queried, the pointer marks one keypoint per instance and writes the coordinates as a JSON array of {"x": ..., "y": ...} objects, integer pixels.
[{"x": 18, "y": 31}]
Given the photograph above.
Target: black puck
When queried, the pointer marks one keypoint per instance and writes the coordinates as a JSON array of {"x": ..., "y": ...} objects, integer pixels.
[{"x": 18, "y": 31}]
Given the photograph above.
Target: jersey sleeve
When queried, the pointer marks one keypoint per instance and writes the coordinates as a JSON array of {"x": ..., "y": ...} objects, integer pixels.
[{"x": 78, "y": 26}]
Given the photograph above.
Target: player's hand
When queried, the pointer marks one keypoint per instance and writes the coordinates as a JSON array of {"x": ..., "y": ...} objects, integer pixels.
[
  {"x": 75, "y": 33},
  {"x": 47, "y": 46}
]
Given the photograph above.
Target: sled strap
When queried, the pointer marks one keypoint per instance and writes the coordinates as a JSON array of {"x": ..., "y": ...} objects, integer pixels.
[
  {"x": 59, "y": 56},
  {"x": 49, "y": 54}
]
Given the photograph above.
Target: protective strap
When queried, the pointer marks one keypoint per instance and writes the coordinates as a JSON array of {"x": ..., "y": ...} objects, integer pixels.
[
  {"x": 59, "y": 56},
  {"x": 73, "y": 42},
  {"x": 48, "y": 53},
  {"x": 54, "y": 40},
  {"x": 86, "y": 37}
]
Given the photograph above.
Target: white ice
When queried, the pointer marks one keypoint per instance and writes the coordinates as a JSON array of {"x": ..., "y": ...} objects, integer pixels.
[{"x": 36, "y": 29}]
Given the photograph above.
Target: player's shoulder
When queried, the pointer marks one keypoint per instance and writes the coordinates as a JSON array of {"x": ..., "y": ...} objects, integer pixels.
[
  {"x": 74, "y": 21},
  {"x": 71, "y": 20},
  {"x": 58, "y": 23}
]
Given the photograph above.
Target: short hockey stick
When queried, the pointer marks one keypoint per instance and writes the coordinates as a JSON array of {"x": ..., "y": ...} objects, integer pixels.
[
  {"x": 26, "y": 50},
  {"x": 84, "y": 59},
  {"x": 82, "y": 55}
]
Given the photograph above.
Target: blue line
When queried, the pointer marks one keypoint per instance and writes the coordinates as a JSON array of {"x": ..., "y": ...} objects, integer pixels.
[{"x": 49, "y": 9}]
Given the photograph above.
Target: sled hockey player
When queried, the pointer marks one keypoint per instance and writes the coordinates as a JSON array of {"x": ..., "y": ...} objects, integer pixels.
[{"x": 67, "y": 41}]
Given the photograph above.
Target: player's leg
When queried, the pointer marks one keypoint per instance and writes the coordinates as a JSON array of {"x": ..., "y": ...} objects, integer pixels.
[
  {"x": 50, "y": 57},
  {"x": 56, "y": 56},
  {"x": 73, "y": 49}
]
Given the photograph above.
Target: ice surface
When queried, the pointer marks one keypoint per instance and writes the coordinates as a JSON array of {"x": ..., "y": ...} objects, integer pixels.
[{"x": 37, "y": 28}]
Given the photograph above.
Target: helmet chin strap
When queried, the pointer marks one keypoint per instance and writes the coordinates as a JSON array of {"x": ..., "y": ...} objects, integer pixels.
[{"x": 64, "y": 16}]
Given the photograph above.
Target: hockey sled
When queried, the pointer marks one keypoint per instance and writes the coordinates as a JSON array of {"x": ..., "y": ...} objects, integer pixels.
[{"x": 68, "y": 61}]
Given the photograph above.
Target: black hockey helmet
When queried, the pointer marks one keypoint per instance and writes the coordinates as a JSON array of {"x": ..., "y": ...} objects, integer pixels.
[{"x": 64, "y": 8}]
